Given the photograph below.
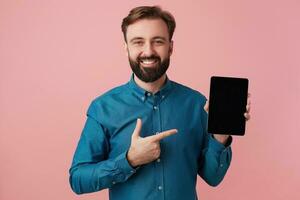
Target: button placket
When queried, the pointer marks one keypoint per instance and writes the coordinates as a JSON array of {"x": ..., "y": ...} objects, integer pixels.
[{"x": 157, "y": 128}]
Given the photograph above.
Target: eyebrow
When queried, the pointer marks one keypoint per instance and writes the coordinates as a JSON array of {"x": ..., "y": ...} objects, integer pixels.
[
  {"x": 136, "y": 38},
  {"x": 159, "y": 37},
  {"x": 156, "y": 37}
]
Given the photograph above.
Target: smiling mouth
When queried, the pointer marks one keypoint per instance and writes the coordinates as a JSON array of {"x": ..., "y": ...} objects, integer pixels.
[{"x": 148, "y": 62}]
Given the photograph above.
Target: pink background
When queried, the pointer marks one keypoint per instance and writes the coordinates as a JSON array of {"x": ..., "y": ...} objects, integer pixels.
[{"x": 56, "y": 56}]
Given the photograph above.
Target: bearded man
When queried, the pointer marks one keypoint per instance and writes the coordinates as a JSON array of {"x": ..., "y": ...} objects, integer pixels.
[{"x": 148, "y": 139}]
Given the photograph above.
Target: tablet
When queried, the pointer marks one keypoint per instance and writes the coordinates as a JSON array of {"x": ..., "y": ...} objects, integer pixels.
[{"x": 227, "y": 105}]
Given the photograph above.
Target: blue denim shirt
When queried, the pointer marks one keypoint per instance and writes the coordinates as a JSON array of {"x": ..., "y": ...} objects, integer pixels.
[{"x": 100, "y": 158}]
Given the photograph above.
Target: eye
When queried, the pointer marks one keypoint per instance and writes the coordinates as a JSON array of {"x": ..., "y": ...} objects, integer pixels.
[
  {"x": 159, "y": 41},
  {"x": 138, "y": 42}
]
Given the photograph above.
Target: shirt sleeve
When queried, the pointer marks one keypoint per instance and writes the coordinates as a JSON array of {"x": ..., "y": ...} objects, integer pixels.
[
  {"x": 215, "y": 157},
  {"x": 91, "y": 169}
]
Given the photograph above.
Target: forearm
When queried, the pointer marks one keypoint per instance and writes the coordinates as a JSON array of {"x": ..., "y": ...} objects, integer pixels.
[
  {"x": 92, "y": 177},
  {"x": 214, "y": 162}
]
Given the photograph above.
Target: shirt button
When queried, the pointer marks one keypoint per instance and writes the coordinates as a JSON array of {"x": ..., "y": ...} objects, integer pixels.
[
  {"x": 113, "y": 182},
  {"x": 163, "y": 96},
  {"x": 155, "y": 107},
  {"x": 159, "y": 187},
  {"x": 221, "y": 165},
  {"x": 143, "y": 98},
  {"x": 158, "y": 160},
  {"x": 148, "y": 94}
]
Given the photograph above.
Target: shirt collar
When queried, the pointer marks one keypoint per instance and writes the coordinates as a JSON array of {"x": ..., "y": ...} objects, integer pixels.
[{"x": 143, "y": 93}]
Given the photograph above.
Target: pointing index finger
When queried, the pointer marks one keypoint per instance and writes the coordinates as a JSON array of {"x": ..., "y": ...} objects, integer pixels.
[{"x": 163, "y": 135}]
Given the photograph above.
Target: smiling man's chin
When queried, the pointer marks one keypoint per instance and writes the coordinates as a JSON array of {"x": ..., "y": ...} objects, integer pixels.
[{"x": 149, "y": 71}]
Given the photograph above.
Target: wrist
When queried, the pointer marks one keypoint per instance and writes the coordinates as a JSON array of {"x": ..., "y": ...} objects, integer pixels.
[
  {"x": 221, "y": 138},
  {"x": 130, "y": 159}
]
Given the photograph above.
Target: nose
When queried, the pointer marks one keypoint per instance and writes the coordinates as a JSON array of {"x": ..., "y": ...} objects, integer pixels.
[{"x": 148, "y": 49}]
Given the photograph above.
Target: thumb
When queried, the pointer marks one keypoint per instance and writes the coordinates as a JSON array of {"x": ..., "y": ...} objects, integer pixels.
[
  {"x": 137, "y": 130},
  {"x": 206, "y": 106}
]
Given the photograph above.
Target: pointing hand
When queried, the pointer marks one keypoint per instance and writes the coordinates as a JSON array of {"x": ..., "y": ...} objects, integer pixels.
[{"x": 145, "y": 150}]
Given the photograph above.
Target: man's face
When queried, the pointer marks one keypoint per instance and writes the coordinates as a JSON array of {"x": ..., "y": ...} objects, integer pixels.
[{"x": 149, "y": 48}]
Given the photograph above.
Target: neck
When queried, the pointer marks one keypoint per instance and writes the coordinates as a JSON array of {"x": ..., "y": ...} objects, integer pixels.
[{"x": 152, "y": 87}]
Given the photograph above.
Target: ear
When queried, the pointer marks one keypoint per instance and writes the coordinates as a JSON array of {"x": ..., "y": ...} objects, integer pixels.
[
  {"x": 126, "y": 48},
  {"x": 171, "y": 47}
]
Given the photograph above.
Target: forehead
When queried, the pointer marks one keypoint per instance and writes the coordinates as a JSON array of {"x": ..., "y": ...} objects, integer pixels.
[{"x": 147, "y": 29}]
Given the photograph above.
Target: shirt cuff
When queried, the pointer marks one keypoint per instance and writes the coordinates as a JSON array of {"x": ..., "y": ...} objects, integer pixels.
[
  {"x": 224, "y": 152},
  {"x": 124, "y": 166}
]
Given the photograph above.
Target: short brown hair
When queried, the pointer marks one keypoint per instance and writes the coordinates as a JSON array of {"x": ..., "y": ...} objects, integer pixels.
[{"x": 149, "y": 12}]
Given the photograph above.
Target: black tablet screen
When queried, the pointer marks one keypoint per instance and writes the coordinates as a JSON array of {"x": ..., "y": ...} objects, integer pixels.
[{"x": 227, "y": 105}]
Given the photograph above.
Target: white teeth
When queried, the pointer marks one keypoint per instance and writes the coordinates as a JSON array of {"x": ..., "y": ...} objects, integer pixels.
[{"x": 148, "y": 61}]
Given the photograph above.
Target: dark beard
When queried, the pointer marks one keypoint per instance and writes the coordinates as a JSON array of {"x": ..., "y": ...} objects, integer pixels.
[{"x": 150, "y": 74}]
